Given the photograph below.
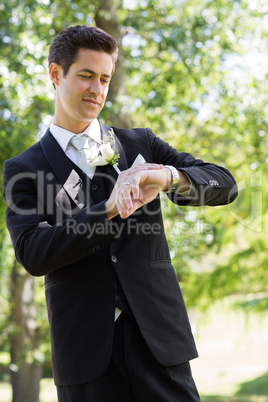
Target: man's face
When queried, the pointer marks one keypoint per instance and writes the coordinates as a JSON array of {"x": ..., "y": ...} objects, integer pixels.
[{"x": 81, "y": 94}]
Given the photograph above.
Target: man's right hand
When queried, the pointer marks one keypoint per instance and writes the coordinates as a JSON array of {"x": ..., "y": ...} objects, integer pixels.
[{"x": 136, "y": 187}]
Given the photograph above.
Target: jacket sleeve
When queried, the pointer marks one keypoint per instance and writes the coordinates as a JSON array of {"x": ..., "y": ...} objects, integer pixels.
[
  {"x": 211, "y": 184},
  {"x": 41, "y": 246}
]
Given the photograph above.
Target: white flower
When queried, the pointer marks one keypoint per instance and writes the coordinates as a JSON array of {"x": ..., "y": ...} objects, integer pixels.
[
  {"x": 107, "y": 151},
  {"x": 107, "y": 155}
]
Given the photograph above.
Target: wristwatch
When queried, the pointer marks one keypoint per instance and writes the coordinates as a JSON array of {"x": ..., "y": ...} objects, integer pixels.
[{"x": 175, "y": 179}]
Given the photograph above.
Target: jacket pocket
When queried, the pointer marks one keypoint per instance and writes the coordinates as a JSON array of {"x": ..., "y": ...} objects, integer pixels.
[{"x": 161, "y": 264}]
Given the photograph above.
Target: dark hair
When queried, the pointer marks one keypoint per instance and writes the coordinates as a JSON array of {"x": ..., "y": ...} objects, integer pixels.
[{"x": 65, "y": 46}]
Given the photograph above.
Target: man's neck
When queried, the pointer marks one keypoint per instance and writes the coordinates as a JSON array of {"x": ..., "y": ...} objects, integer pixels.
[{"x": 75, "y": 127}]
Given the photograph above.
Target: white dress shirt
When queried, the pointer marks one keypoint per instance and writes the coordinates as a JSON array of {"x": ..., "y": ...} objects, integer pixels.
[{"x": 63, "y": 136}]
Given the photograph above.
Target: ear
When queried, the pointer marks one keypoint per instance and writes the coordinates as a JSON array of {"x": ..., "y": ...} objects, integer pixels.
[{"x": 54, "y": 73}]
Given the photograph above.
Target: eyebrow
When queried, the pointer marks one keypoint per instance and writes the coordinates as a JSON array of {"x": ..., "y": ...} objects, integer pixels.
[{"x": 86, "y": 70}]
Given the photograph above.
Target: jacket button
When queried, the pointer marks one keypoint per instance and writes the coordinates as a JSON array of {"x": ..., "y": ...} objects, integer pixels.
[
  {"x": 114, "y": 258},
  {"x": 117, "y": 298},
  {"x": 94, "y": 187},
  {"x": 213, "y": 183},
  {"x": 92, "y": 250}
]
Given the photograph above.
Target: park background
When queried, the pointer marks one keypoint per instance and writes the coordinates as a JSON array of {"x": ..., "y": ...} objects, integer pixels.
[{"x": 195, "y": 71}]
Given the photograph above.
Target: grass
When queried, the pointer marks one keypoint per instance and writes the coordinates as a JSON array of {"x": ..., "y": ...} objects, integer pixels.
[
  {"x": 258, "y": 386},
  {"x": 255, "y": 390},
  {"x": 245, "y": 398}
]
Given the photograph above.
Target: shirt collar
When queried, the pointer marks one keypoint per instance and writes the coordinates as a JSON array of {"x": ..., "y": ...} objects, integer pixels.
[
  {"x": 93, "y": 131},
  {"x": 63, "y": 136}
]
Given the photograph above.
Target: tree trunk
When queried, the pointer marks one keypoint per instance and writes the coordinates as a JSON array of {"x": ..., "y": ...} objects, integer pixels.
[
  {"x": 26, "y": 364},
  {"x": 106, "y": 19},
  {"x": 26, "y": 383}
]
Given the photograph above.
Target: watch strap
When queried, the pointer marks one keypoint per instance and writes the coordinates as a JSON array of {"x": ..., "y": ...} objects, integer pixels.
[{"x": 175, "y": 179}]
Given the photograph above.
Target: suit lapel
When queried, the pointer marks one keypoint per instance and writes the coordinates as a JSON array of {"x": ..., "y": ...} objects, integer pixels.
[{"x": 64, "y": 171}]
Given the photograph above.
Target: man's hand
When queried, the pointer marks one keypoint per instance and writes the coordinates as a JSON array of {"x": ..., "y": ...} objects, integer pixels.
[{"x": 136, "y": 187}]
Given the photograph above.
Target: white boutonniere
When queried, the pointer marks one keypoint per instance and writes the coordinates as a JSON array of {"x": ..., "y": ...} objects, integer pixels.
[{"x": 108, "y": 154}]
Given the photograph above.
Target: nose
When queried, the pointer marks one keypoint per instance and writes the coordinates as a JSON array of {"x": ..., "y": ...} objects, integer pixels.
[{"x": 96, "y": 87}]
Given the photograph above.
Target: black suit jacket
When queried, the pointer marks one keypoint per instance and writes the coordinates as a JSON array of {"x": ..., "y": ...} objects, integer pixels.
[{"x": 59, "y": 228}]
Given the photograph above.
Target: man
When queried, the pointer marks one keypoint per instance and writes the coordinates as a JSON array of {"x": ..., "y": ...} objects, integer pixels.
[{"x": 119, "y": 328}]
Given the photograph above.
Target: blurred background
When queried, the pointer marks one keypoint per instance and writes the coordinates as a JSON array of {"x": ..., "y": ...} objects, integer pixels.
[{"x": 195, "y": 71}]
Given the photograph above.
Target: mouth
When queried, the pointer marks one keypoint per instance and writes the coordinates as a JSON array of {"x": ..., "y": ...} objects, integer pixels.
[{"x": 91, "y": 101}]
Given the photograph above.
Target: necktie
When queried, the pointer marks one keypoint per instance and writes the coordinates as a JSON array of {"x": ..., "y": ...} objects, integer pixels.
[{"x": 85, "y": 154}]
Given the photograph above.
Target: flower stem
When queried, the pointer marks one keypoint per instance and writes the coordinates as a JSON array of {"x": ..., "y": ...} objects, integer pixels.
[{"x": 116, "y": 168}]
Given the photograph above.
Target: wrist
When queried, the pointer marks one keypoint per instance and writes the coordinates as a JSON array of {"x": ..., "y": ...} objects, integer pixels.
[
  {"x": 173, "y": 184},
  {"x": 111, "y": 210}
]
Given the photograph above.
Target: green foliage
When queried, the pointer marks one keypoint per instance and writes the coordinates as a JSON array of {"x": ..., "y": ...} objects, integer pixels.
[{"x": 191, "y": 74}]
